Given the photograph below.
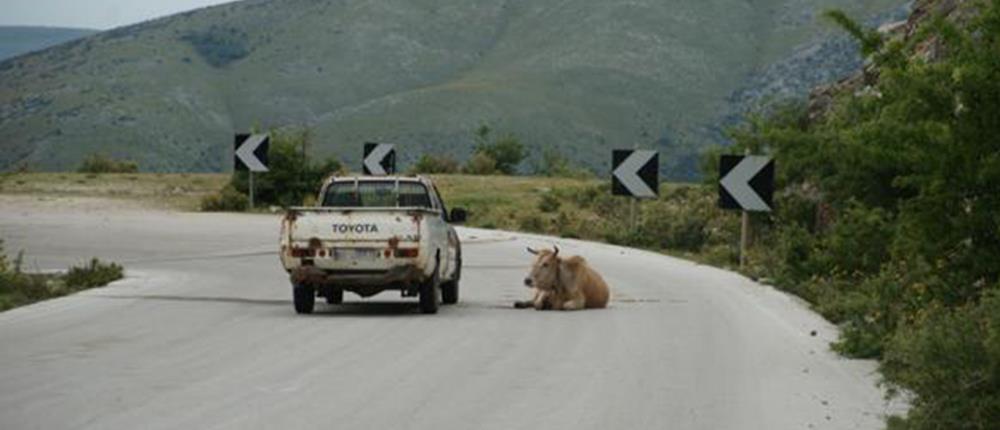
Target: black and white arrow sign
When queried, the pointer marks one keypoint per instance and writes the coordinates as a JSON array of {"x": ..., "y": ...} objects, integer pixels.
[
  {"x": 746, "y": 183},
  {"x": 251, "y": 152},
  {"x": 380, "y": 159},
  {"x": 635, "y": 173}
]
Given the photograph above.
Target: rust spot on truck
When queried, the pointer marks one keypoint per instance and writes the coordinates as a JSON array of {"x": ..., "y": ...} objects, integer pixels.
[
  {"x": 394, "y": 242},
  {"x": 315, "y": 243},
  {"x": 291, "y": 215}
]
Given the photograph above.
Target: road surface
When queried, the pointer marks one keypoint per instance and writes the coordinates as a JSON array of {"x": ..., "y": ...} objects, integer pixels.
[{"x": 202, "y": 334}]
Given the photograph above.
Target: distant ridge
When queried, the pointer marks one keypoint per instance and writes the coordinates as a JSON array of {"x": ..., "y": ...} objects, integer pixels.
[
  {"x": 18, "y": 40},
  {"x": 581, "y": 78}
]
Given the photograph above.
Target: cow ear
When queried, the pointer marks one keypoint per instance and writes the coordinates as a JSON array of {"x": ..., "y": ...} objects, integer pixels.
[
  {"x": 532, "y": 251},
  {"x": 557, "y": 250}
]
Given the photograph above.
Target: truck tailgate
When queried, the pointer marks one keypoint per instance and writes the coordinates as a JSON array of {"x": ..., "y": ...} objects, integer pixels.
[{"x": 356, "y": 226}]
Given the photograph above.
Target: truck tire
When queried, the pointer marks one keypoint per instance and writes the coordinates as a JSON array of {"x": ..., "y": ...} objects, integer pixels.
[
  {"x": 449, "y": 292},
  {"x": 430, "y": 293},
  {"x": 305, "y": 299},
  {"x": 335, "y": 296}
]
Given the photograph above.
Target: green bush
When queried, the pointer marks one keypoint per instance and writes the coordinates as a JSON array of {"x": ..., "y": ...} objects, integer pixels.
[
  {"x": 532, "y": 223},
  {"x": 18, "y": 288},
  {"x": 549, "y": 203},
  {"x": 507, "y": 150},
  {"x": 858, "y": 242},
  {"x": 554, "y": 164},
  {"x": 219, "y": 46},
  {"x": 292, "y": 175},
  {"x": 950, "y": 360},
  {"x": 93, "y": 274},
  {"x": 430, "y": 164},
  {"x": 480, "y": 164},
  {"x": 4, "y": 264},
  {"x": 887, "y": 219},
  {"x": 226, "y": 200},
  {"x": 679, "y": 220},
  {"x": 97, "y": 163}
]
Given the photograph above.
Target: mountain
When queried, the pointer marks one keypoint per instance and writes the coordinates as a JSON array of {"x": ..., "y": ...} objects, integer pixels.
[
  {"x": 15, "y": 41},
  {"x": 582, "y": 77}
]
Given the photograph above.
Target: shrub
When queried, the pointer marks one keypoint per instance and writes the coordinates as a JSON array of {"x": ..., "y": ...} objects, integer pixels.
[
  {"x": 950, "y": 360},
  {"x": 428, "y": 164},
  {"x": 18, "y": 288},
  {"x": 554, "y": 164},
  {"x": 531, "y": 222},
  {"x": 895, "y": 235},
  {"x": 506, "y": 151},
  {"x": 226, "y": 200},
  {"x": 4, "y": 264},
  {"x": 858, "y": 242},
  {"x": 480, "y": 164},
  {"x": 549, "y": 203},
  {"x": 97, "y": 163},
  {"x": 291, "y": 176},
  {"x": 93, "y": 274},
  {"x": 219, "y": 46},
  {"x": 677, "y": 222}
]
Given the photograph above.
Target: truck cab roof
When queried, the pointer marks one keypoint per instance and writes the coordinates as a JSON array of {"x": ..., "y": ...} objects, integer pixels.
[{"x": 401, "y": 178}]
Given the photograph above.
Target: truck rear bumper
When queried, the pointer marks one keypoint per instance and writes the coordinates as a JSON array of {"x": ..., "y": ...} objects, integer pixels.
[{"x": 399, "y": 277}]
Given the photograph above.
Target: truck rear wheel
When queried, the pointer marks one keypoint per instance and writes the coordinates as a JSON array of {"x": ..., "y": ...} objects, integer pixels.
[
  {"x": 449, "y": 292},
  {"x": 430, "y": 294},
  {"x": 305, "y": 299}
]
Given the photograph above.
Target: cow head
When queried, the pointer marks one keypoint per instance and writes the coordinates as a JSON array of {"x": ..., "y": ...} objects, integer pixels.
[{"x": 545, "y": 271}]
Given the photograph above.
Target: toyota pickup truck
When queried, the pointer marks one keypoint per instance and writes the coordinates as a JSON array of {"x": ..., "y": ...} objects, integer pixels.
[{"x": 371, "y": 234}]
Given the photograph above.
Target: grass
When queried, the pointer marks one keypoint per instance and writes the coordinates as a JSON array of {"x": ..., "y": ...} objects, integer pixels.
[
  {"x": 501, "y": 202},
  {"x": 18, "y": 288},
  {"x": 161, "y": 191}
]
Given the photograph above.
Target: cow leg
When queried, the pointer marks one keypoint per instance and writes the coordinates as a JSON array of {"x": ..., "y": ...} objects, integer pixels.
[
  {"x": 541, "y": 301},
  {"x": 524, "y": 304},
  {"x": 574, "y": 304}
]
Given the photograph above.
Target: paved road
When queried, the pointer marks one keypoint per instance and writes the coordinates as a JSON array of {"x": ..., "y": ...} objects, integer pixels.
[{"x": 202, "y": 334}]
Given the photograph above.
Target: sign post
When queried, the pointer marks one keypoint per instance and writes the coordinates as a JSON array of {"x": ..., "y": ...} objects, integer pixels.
[
  {"x": 746, "y": 183},
  {"x": 250, "y": 155}
]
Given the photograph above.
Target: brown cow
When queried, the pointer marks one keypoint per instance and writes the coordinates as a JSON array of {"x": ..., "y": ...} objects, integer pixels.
[{"x": 565, "y": 283}]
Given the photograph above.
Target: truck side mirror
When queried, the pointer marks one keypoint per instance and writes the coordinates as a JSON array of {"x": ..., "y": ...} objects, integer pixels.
[{"x": 458, "y": 216}]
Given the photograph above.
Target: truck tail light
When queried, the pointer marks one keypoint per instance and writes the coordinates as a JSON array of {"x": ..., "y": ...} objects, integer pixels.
[{"x": 407, "y": 253}]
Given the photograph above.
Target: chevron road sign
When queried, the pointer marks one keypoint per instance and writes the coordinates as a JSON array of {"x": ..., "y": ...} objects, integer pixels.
[
  {"x": 251, "y": 152},
  {"x": 380, "y": 159},
  {"x": 746, "y": 183},
  {"x": 635, "y": 173}
]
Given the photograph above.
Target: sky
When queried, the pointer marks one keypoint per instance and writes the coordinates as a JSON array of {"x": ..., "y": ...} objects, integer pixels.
[{"x": 93, "y": 14}]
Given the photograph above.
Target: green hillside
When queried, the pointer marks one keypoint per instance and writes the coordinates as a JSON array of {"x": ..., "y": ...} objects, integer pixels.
[
  {"x": 582, "y": 77},
  {"x": 15, "y": 41}
]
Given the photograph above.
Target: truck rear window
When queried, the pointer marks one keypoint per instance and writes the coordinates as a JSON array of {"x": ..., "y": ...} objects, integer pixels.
[{"x": 376, "y": 194}]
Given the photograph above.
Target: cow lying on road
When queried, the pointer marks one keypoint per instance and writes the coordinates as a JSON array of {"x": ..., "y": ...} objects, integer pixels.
[{"x": 564, "y": 283}]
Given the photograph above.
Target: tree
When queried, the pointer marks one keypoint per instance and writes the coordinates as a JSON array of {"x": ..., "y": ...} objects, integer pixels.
[
  {"x": 507, "y": 150},
  {"x": 291, "y": 175}
]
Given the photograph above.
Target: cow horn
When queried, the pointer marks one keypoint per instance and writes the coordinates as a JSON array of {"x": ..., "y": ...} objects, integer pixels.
[
  {"x": 557, "y": 249},
  {"x": 532, "y": 251}
]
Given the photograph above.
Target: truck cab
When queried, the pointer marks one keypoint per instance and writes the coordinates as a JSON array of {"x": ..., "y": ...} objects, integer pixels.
[{"x": 367, "y": 235}]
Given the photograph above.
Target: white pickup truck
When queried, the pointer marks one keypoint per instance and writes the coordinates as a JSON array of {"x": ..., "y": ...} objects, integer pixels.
[{"x": 371, "y": 234}]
